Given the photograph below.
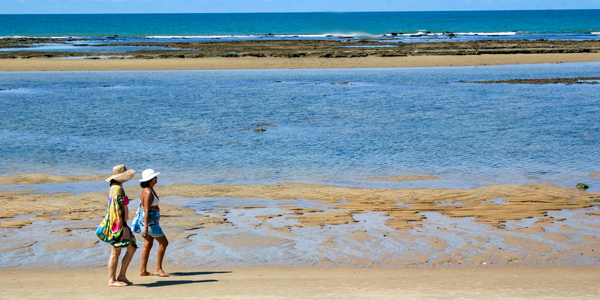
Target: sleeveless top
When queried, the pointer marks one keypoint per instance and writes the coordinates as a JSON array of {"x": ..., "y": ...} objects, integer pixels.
[{"x": 156, "y": 200}]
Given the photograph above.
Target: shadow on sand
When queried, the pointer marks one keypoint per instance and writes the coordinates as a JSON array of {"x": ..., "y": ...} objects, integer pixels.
[
  {"x": 180, "y": 282},
  {"x": 173, "y": 282},
  {"x": 197, "y": 273}
]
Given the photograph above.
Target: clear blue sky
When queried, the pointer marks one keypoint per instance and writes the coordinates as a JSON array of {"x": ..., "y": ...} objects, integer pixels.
[{"x": 210, "y": 6}]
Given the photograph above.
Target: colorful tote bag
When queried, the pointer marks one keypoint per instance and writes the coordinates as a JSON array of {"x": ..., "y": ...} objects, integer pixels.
[{"x": 137, "y": 228}]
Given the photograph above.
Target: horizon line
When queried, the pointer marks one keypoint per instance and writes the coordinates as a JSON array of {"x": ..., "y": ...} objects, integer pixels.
[{"x": 300, "y": 12}]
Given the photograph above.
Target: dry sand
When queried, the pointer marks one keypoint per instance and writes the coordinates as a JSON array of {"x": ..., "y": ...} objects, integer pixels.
[
  {"x": 222, "y": 63},
  {"x": 311, "y": 283}
]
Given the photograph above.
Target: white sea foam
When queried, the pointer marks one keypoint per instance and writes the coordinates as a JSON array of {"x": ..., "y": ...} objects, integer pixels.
[
  {"x": 195, "y": 36},
  {"x": 431, "y": 34},
  {"x": 250, "y": 36},
  {"x": 43, "y": 37},
  {"x": 595, "y": 32},
  {"x": 487, "y": 33}
]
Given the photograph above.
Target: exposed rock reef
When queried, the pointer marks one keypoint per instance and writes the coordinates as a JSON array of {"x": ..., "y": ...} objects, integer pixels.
[
  {"x": 568, "y": 81},
  {"x": 313, "y": 48}
]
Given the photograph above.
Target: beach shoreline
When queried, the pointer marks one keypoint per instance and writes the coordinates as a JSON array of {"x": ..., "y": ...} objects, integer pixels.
[
  {"x": 241, "y": 63},
  {"x": 569, "y": 282}
]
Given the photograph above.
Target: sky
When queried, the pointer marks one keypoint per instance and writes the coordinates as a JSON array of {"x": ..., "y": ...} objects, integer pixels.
[{"x": 228, "y": 6}]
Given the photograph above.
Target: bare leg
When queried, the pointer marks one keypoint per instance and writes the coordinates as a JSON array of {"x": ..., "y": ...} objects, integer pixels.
[
  {"x": 148, "y": 242},
  {"x": 113, "y": 263},
  {"x": 161, "y": 254},
  {"x": 125, "y": 263}
]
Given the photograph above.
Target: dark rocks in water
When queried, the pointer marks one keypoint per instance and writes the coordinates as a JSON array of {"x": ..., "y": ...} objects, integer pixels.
[
  {"x": 358, "y": 54},
  {"x": 254, "y": 54},
  {"x": 230, "y": 55},
  {"x": 107, "y": 85},
  {"x": 582, "y": 186},
  {"x": 194, "y": 55},
  {"x": 393, "y": 54},
  {"x": 394, "y": 34},
  {"x": 578, "y": 80},
  {"x": 326, "y": 48},
  {"x": 292, "y": 55},
  {"x": 259, "y": 127}
]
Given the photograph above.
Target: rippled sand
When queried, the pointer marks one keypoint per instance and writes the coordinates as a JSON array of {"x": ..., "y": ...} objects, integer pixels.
[{"x": 294, "y": 224}]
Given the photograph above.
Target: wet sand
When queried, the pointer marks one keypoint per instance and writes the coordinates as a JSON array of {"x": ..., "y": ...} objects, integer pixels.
[
  {"x": 229, "y": 63},
  {"x": 298, "y": 224},
  {"x": 311, "y": 283}
]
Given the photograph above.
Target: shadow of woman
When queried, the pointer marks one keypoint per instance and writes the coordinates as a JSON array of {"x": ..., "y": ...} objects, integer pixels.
[
  {"x": 173, "y": 282},
  {"x": 197, "y": 273}
]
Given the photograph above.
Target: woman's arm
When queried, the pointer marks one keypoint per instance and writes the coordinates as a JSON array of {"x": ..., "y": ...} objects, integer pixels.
[{"x": 125, "y": 214}]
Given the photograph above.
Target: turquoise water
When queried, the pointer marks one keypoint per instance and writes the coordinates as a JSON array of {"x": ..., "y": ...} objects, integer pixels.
[
  {"x": 577, "y": 24},
  {"x": 333, "y": 126}
]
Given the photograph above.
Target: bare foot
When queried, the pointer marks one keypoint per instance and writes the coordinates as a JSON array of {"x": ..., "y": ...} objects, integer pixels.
[
  {"x": 116, "y": 284},
  {"x": 145, "y": 273},
  {"x": 161, "y": 273},
  {"x": 124, "y": 279}
]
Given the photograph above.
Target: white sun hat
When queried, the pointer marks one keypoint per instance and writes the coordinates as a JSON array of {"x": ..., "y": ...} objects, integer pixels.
[{"x": 148, "y": 174}]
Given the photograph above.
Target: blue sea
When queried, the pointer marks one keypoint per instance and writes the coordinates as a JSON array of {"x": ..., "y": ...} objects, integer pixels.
[
  {"x": 319, "y": 126},
  {"x": 324, "y": 126},
  {"x": 407, "y": 26}
]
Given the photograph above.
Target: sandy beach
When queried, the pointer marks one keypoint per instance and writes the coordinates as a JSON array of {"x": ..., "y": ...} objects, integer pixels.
[
  {"x": 228, "y": 63},
  {"x": 300, "y": 150},
  {"x": 312, "y": 283},
  {"x": 308, "y": 241}
]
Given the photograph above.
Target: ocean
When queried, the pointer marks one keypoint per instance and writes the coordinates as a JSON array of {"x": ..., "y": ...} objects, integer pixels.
[
  {"x": 317, "y": 126},
  {"x": 338, "y": 127},
  {"x": 325, "y": 126},
  {"x": 406, "y": 26}
]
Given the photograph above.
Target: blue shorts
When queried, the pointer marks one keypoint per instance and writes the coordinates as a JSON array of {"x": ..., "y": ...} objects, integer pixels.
[{"x": 154, "y": 229}]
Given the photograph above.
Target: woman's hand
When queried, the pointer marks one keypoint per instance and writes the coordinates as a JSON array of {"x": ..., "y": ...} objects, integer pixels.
[{"x": 145, "y": 232}]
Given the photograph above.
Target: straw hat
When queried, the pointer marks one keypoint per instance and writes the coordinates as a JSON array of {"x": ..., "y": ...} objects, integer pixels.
[
  {"x": 121, "y": 174},
  {"x": 148, "y": 174}
]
